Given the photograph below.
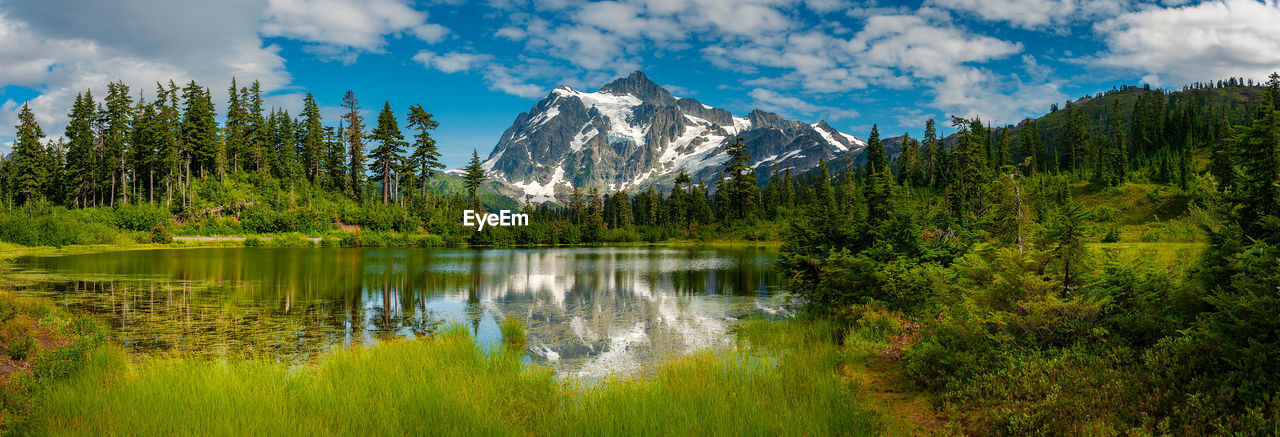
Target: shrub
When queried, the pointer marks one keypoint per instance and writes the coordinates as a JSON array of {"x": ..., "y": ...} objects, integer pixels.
[
  {"x": 161, "y": 235},
  {"x": 22, "y": 346},
  {"x": 140, "y": 217}
]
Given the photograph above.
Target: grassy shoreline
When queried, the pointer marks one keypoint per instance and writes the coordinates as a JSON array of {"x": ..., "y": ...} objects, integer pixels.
[{"x": 785, "y": 378}]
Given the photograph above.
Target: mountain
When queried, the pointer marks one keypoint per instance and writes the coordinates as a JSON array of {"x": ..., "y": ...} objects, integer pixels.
[{"x": 632, "y": 133}]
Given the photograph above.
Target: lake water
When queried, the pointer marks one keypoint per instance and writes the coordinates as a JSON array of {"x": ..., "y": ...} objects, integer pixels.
[{"x": 589, "y": 312}]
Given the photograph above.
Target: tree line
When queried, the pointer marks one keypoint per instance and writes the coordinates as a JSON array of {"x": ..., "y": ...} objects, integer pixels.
[{"x": 118, "y": 151}]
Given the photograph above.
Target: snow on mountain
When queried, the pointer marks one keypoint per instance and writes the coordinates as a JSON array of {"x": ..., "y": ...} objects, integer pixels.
[{"x": 632, "y": 133}]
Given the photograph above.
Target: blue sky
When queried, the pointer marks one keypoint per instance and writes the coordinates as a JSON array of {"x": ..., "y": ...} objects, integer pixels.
[{"x": 478, "y": 64}]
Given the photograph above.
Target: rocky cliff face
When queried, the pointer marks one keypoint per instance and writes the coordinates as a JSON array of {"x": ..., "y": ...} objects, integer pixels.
[{"x": 632, "y": 133}]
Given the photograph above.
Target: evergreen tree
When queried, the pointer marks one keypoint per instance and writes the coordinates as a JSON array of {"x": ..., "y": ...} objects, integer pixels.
[
  {"x": 387, "y": 155},
  {"x": 909, "y": 162},
  {"x": 473, "y": 176},
  {"x": 740, "y": 182},
  {"x": 80, "y": 159},
  {"x": 115, "y": 139},
  {"x": 313, "y": 145},
  {"x": 969, "y": 170},
  {"x": 169, "y": 148},
  {"x": 28, "y": 173},
  {"x": 425, "y": 159},
  {"x": 200, "y": 130},
  {"x": 1033, "y": 146},
  {"x": 877, "y": 160},
  {"x": 234, "y": 129},
  {"x": 258, "y": 150},
  {"x": 1256, "y": 148},
  {"x": 933, "y": 153},
  {"x": 354, "y": 136},
  {"x": 334, "y": 151}
]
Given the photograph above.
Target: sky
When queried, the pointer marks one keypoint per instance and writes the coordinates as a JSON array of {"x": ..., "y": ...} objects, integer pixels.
[{"x": 476, "y": 65}]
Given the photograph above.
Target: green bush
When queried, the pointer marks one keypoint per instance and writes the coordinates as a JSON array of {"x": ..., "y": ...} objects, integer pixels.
[
  {"x": 22, "y": 347},
  {"x": 55, "y": 226},
  {"x": 161, "y": 235},
  {"x": 140, "y": 217}
]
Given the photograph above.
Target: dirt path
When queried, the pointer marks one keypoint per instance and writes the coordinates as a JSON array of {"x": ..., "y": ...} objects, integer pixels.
[{"x": 906, "y": 410}]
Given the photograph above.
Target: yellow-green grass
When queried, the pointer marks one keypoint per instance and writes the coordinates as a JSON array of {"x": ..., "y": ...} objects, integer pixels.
[
  {"x": 447, "y": 385},
  {"x": 1173, "y": 256}
]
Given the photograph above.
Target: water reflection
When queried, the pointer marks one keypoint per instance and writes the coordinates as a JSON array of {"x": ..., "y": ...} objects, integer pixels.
[{"x": 589, "y": 311}]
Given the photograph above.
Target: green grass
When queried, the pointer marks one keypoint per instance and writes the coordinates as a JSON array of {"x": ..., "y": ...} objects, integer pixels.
[
  {"x": 447, "y": 385},
  {"x": 513, "y": 333}
]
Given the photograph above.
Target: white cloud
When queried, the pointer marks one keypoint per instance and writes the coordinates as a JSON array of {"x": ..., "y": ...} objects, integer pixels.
[
  {"x": 1036, "y": 14},
  {"x": 342, "y": 28},
  {"x": 451, "y": 62},
  {"x": 772, "y": 101},
  {"x": 1208, "y": 41},
  {"x": 60, "y": 51}
]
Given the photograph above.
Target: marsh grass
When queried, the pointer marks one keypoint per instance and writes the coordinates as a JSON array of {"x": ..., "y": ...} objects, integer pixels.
[
  {"x": 513, "y": 333},
  {"x": 445, "y": 384}
]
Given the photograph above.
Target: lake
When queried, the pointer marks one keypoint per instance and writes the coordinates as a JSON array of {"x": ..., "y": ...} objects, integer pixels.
[{"x": 589, "y": 312}]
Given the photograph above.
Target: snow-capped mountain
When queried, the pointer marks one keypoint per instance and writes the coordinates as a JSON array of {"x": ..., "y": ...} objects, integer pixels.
[{"x": 632, "y": 133}]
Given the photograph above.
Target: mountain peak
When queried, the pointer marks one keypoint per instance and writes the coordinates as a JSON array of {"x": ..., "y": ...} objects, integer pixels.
[{"x": 639, "y": 85}]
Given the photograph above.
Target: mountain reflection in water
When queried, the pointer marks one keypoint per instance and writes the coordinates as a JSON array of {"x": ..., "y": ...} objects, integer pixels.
[{"x": 589, "y": 312}]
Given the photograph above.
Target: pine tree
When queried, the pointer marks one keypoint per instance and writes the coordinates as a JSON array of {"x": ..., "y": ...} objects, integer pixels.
[
  {"x": 1256, "y": 148},
  {"x": 258, "y": 149},
  {"x": 335, "y": 159},
  {"x": 28, "y": 172},
  {"x": 387, "y": 155},
  {"x": 284, "y": 135},
  {"x": 169, "y": 149},
  {"x": 354, "y": 136},
  {"x": 116, "y": 137},
  {"x": 740, "y": 182},
  {"x": 1033, "y": 146},
  {"x": 473, "y": 177},
  {"x": 1075, "y": 138},
  {"x": 969, "y": 170},
  {"x": 877, "y": 159},
  {"x": 425, "y": 159},
  {"x": 146, "y": 138},
  {"x": 234, "y": 129},
  {"x": 313, "y": 144},
  {"x": 909, "y": 162},
  {"x": 80, "y": 139},
  {"x": 933, "y": 153},
  {"x": 200, "y": 130}
]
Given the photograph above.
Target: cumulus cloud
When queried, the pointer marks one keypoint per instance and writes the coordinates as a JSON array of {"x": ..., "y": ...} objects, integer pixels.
[
  {"x": 60, "y": 51},
  {"x": 1035, "y": 14},
  {"x": 451, "y": 62},
  {"x": 1207, "y": 41},
  {"x": 773, "y": 101},
  {"x": 342, "y": 28}
]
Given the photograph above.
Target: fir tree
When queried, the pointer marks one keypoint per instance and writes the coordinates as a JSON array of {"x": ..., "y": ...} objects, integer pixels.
[
  {"x": 425, "y": 159},
  {"x": 473, "y": 176},
  {"x": 28, "y": 173},
  {"x": 354, "y": 136},
  {"x": 387, "y": 155},
  {"x": 877, "y": 160},
  {"x": 740, "y": 179},
  {"x": 80, "y": 160},
  {"x": 200, "y": 130},
  {"x": 313, "y": 144},
  {"x": 115, "y": 139}
]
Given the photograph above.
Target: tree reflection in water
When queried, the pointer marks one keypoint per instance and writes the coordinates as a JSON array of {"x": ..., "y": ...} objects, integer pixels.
[{"x": 588, "y": 311}]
